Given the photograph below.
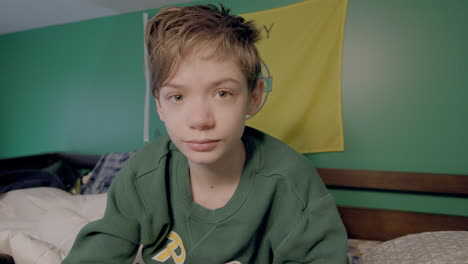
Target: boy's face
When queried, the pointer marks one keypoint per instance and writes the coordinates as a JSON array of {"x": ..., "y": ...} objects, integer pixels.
[{"x": 204, "y": 106}]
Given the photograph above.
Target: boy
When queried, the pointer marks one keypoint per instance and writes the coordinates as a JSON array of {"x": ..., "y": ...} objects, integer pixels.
[{"x": 212, "y": 190}]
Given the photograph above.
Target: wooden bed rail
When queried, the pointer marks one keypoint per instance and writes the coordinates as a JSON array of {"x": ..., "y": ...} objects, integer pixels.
[
  {"x": 383, "y": 225},
  {"x": 447, "y": 184}
]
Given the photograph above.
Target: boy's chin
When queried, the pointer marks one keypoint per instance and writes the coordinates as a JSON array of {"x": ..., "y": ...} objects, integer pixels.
[{"x": 203, "y": 158}]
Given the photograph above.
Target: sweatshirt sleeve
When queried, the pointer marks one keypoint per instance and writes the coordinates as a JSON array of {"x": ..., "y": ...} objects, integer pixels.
[
  {"x": 318, "y": 238},
  {"x": 115, "y": 237}
]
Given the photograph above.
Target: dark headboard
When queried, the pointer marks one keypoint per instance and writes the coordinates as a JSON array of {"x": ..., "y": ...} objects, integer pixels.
[{"x": 82, "y": 161}]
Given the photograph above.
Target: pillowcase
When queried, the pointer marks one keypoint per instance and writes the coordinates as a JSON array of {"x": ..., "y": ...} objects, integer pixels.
[{"x": 444, "y": 247}]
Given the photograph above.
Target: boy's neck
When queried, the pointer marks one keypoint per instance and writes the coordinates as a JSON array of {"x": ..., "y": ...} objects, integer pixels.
[{"x": 213, "y": 186}]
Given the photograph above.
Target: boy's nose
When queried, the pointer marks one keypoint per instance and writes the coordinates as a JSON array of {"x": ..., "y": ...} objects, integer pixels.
[{"x": 201, "y": 117}]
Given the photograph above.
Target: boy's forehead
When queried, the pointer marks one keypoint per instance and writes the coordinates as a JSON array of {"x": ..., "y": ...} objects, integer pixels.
[
  {"x": 208, "y": 51},
  {"x": 207, "y": 54}
]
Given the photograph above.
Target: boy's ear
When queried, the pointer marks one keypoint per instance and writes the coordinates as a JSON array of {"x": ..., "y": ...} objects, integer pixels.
[
  {"x": 159, "y": 109},
  {"x": 256, "y": 97}
]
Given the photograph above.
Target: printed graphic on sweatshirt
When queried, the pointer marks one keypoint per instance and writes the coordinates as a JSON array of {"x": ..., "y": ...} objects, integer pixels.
[
  {"x": 170, "y": 250},
  {"x": 176, "y": 250}
]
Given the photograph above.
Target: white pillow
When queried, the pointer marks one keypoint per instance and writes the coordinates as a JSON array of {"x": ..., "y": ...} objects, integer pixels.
[{"x": 444, "y": 247}]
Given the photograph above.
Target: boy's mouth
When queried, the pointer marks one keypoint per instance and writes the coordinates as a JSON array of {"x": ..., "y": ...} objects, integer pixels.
[{"x": 202, "y": 145}]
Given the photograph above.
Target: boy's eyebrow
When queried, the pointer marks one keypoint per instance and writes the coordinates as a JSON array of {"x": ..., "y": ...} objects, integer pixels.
[
  {"x": 225, "y": 80},
  {"x": 214, "y": 84}
]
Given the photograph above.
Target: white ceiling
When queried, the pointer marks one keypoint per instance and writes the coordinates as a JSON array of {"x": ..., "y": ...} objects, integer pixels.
[{"x": 20, "y": 15}]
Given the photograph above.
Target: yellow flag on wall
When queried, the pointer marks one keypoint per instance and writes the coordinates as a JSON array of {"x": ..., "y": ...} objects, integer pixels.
[{"x": 302, "y": 47}]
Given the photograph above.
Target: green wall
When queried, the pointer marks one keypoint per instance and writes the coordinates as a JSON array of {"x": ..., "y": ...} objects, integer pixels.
[
  {"x": 80, "y": 87},
  {"x": 75, "y": 87}
]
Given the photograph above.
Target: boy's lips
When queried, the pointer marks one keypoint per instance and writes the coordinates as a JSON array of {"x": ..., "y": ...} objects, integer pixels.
[{"x": 202, "y": 145}]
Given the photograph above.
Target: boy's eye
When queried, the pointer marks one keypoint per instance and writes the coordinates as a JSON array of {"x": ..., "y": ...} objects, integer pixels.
[
  {"x": 177, "y": 97},
  {"x": 223, "y": 94}
]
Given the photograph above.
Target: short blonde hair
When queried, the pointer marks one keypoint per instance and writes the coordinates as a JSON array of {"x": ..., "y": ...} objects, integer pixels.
[{"x": 175, "y": 31}]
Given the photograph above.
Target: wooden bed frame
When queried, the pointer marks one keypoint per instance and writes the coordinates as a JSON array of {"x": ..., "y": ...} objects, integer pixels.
[{"x": 382, "y": 225}]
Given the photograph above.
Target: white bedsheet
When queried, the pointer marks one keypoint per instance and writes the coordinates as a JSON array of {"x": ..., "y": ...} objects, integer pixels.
[{"x": 39, "y": 225}]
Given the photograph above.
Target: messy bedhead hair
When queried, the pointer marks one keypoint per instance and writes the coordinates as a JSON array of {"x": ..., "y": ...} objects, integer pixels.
[{"x": 175, "y": 31}]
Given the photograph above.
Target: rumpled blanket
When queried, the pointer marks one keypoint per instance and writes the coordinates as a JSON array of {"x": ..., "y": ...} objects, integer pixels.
[
  {"x": 59, "y": 175},
  {"x": 104, "y": 172}
]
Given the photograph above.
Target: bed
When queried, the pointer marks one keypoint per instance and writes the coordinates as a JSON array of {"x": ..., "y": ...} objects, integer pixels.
[
  {"x": 395, "y": 237},
  {"x": 38, "y": 224}
]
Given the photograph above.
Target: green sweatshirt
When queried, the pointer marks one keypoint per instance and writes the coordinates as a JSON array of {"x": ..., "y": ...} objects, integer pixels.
[{"x": 281, "y": 212}]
